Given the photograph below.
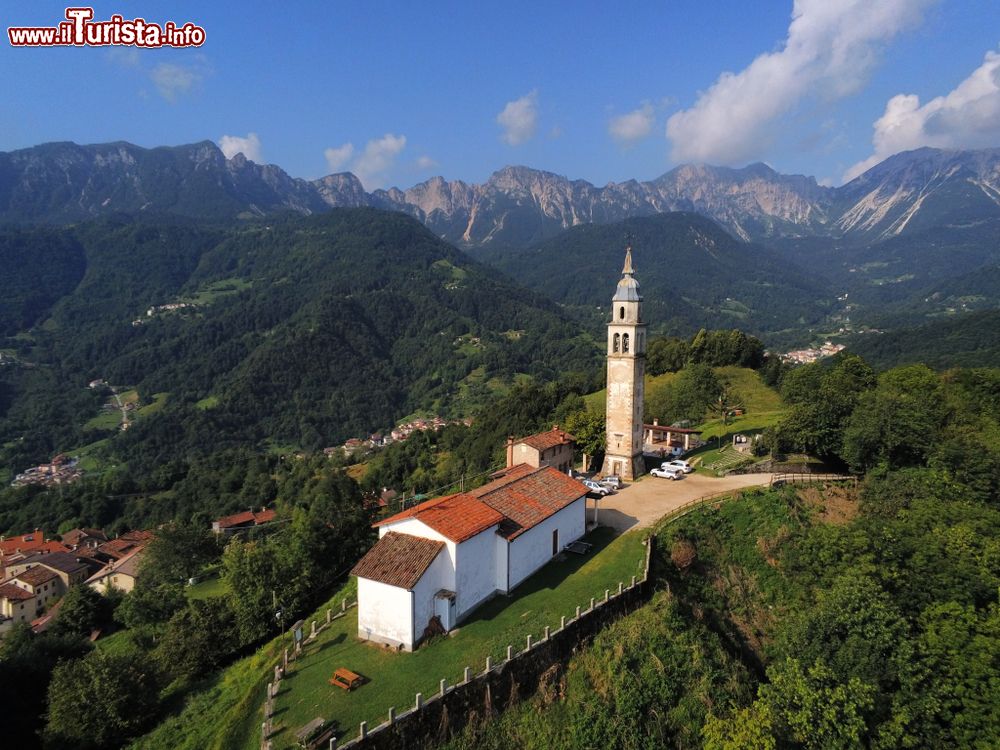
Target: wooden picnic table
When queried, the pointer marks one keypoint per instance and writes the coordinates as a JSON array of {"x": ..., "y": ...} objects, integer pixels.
[
  {"x": 305, "y": 736},
  {"x": 345, "y": 678}
]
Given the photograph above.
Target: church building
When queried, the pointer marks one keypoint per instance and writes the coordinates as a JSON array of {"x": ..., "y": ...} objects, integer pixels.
[
  {"x": 436, "y": 562},
  {"x": 626, "y": 370}
]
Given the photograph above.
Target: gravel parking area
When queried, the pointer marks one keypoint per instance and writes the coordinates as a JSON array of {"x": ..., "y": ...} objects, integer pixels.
[{"x": 646, "y": 501}]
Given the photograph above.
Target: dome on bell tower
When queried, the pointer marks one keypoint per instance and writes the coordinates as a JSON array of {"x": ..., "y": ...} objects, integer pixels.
[{"x": 628, "y": 287}]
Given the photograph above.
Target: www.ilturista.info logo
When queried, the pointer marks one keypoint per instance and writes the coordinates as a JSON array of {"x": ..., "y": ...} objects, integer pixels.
[{"x": 80, "y": 30}]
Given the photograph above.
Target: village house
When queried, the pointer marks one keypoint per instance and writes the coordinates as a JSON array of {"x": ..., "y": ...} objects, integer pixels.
[
  {"x": 436, "y": 562},
  {"x": 554, "y": 448},
  {"x": 121, "y": 574},
  {"x": 69, "y": 568},
  {"x": 241, "y": 522},
  {"x": 16, "y": 605}
]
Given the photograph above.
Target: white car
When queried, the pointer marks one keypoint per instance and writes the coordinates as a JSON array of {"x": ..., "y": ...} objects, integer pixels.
[
  {"x": 678, "y": 464},
  {"x": 667, "y": 472},
  {"x": 612, "y": 482},
  {"x": 595, "y": 488}
]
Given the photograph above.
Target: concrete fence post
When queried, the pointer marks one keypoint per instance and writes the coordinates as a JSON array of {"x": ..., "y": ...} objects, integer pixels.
[
  {"x": 333, "y": 743},
  {"x": 510, "y": 653},
  {"x": 270, "y": 694},
  {"x": 633, "y": 583},
  {"x": 591, "y": 604},
  {"x": 263, "y": 731},
  {"x": 528, "y": 647},
  {"x": 444, "y": 686},
  {"x": 329, "y": 615},
  {"x": 578, "y": 612},
  {"x": 468, "y": 675},
  {"x": 562, "y": 622},
  {"x": 313, "y": 629},
  {"x": 418, "y": 702},
  {"x": 363, "y": 730},
  {"x": 286, "y": 659},
  {"x": 621, "y": 587},
  {"x": 343, "y": 605},
  {"x": 547, "y": 633},
  {"x": 607, "y": 594},
  {"x": 392, "y": 714},
  {"x": 489, "y": 663}
]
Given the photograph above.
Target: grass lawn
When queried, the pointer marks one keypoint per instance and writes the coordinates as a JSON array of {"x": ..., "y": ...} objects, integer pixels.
[
  {"x": 394, "y": 678},
  {"x": 159, "y": 400},
  {"x": 207, "y": 589}
]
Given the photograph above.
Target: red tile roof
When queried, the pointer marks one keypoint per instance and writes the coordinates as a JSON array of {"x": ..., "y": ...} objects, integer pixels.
[
  {"x": 24, "y": 543},
  {"x": 528, "y": 497},
  {"x": 14, "y": 593},
  {"x": 456, "y": 517},
  {"x": 520, "y": 498},
  {"x": 75, "y": 536},
  {"x": 37, "y": 575},
  {"x": 246, "y": 518},
  {"x": 545, "y": 440},
  {"x": 398, "y": 560}
]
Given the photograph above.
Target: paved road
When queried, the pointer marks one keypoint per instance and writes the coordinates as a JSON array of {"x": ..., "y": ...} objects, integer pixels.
[{"x": 646, "y": 501}]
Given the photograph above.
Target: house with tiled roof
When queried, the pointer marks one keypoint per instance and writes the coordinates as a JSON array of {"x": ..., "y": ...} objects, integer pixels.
[
  {"x": 554, "y": 448},
  {"x": 120, "y": 574},
  {"x": 244, "y": 521},
  {"x": 436, "y": 562},
  {"x": 16, "y": 605}
]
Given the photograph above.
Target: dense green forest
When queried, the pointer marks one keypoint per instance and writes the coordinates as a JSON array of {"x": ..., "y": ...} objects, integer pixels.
[
  {"x": 969, "y": 340},
  {"x": 300, "y": 332},
  {"x": 692, "y": 274}
]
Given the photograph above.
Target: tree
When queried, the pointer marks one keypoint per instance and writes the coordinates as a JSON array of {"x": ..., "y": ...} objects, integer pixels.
[
  {"x": 82, "y": 611},
  {"x": 148, "y": 605},
  {"x": 750, "y": 727},
  {"x": 198, "y": 639},
  {"x": 813, "y": 708},
  {"x": 178, "y": 552},
  {"x": 666, "y": 355},
  {"x": 102, "y": 700},
  {"x": 590, "y": 430},
  {"x": 896, "y": 422}
]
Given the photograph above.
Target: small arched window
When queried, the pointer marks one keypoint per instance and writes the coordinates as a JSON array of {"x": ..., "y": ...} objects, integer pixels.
[
  {"x": 621, "y": 312},
  {"x": 617, "y": 342},
  {"x": 625, "y": 343}
]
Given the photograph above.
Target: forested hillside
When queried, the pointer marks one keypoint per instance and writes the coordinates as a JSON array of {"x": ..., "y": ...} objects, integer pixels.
[
  {"x": 300, "y": 332},
  {"x": 692, "y": 274}
]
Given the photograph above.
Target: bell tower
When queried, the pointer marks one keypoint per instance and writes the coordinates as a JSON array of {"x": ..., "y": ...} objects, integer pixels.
[{"x": 626, "y": 369}]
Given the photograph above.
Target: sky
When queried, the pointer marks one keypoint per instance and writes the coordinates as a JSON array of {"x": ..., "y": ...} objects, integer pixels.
[{"x": 397, "y": 92}]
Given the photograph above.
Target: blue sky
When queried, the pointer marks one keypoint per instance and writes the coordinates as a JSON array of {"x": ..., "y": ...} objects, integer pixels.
[{"x": 398, "y": 92}]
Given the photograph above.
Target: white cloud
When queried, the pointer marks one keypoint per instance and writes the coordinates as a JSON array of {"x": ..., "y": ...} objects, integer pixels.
[
  {"x": 337, "y": 158},
  {"x": 829, "y": 52},
  {"x": 426, "y": 162},
  {"x": 371, "y": 165},
  {"x": 173, "y": 80},
  {"x": 248, "y": 146},
  {"x": 633, "y": 126},
  {"x": 966, "y": 117},
  {"x": 519, "y": 119},
  {"x": 379, "y": 154}
]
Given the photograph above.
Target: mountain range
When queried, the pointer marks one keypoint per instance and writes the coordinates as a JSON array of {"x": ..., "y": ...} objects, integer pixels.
[{"x": 517, "y": 206}]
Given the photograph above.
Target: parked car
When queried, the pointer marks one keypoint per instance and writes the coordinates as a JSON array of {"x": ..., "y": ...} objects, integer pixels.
[
  {"x": 667, "y": 472},
  {"x": 595, "y": 488},
  {"x": 678, "y": 463},
  {"x": 612, "y": 482}
]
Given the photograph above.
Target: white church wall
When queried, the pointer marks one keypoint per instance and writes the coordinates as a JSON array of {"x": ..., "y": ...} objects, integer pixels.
[
  {"x": 385, "y": 613},
  {"x": 476, "y": 568},
  {"x": 413, "y": 527},
  {"x": 434, "y": 579},
  {"x": 533, "y": 548}
]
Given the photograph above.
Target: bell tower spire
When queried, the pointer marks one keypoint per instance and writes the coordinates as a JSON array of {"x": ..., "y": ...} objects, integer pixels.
[{"x": 626, "y": 370}]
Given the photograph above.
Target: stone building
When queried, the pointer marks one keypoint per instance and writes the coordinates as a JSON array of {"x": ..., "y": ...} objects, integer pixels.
[{"x": 626, "y": 369}]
